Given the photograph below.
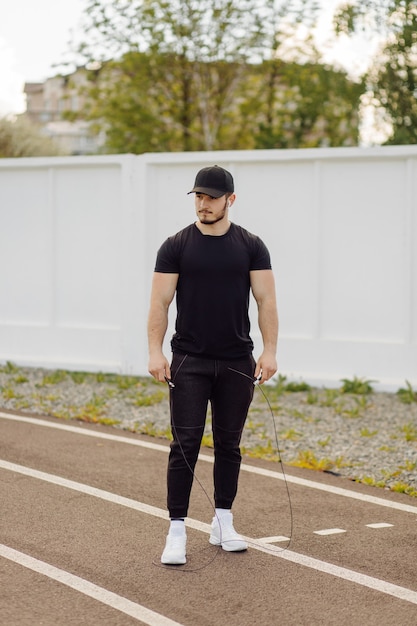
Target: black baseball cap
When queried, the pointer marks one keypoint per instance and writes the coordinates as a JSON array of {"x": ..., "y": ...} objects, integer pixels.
[{"x": 214, "y": 181}]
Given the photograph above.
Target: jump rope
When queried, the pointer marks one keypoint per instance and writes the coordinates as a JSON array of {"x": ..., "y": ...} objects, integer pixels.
[{"x": 255, "y": 382}]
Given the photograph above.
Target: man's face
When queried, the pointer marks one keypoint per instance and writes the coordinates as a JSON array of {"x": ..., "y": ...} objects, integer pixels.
[{"x": 210, "y": 210}]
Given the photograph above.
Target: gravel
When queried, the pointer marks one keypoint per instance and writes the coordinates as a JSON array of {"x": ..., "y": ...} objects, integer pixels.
[{"x": 369, "y": 437}]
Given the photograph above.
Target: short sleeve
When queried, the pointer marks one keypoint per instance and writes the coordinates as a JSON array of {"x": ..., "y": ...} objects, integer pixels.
[
  {"x": 260, "y": 258},
  {"x": 167, "y": 258}
]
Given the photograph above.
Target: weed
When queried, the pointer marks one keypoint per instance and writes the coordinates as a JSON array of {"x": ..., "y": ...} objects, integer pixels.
[
  {"x": 308, "y": 460},
  {"x": 22, "y": 404},
  {"x": 19, "y": 380},
  {"x": 291, "y": 434},
  {"x": 387, "y": 449},
  {"x": 331, "y": 396},
  {"x": 298, "y": 415},
  {"x": 409, "y": 431},
  {"x": 78, "y": 377},
  {"x": 149, "y": 428},
  {"x": 353, "y": 412},
  {"x": 360, "y": 386},
  {"x": 365, "y": 432},
  {"x": 253, "y": 427},
  {"x": 273, "y": 392},
  {"x": 127, "y": 382},
  {"x": 207, "y": 441},
  {"x": 267, "y": 451},
  {"x": 356, "y": 411},
  {"x": 407, "y": 395},
  {"x": 142, "y": 399},
  {"x": 409, "y": 466},
  {"x": 50, "y": 397},
  {"x": 9, "y": 368},
  {"x": 312, "y": 398},
  {"x": 404, "y": 488},
  {"x": 297, "y": 387},
  {"x": 324, "y": 442},
  {"x": 93, "y": 412},
  {"x": 280, "y": 384},
  {"x": 389, "y": 474},
  {"x": 371, "y": 481},
  {"x": 53, "y": 378},
  {"x": 9, "y": 393}
]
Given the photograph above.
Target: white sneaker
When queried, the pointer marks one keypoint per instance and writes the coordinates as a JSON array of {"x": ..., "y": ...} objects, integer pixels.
[
  {"x": 174, "y": 552},
  {"x": 223, "y": 533}
]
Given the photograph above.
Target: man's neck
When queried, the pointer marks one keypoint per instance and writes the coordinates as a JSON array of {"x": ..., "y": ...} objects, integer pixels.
[{"x": 215, "y": 230}]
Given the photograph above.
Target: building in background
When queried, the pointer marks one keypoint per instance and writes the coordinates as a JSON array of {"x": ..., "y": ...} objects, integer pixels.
[{"x": 48, "y": 106}]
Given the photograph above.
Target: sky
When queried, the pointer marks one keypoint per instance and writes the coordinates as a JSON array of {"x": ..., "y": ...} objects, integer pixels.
[{"x": 35, "y": 36}]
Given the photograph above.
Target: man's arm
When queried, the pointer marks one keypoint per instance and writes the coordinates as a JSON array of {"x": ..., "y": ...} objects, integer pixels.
[
  {"x": 263, "y": 289},
  {"x": 163, "y": 290}
]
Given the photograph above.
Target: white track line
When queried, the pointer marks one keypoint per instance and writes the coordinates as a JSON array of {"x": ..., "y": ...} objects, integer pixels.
[
  {"x": 339, "y": 491},
  {"x": 401, "y": 593},
  {"x": 139, "y": 612}
]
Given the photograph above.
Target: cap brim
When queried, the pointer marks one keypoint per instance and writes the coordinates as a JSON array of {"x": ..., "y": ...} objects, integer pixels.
[{"x": 214, "y": 193}]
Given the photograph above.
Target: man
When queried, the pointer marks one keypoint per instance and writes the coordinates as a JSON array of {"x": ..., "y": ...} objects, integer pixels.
[{"x": 211, "y": 266}]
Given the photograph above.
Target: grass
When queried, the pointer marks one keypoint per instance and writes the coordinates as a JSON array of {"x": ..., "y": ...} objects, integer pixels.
[
  {"x": 409, "y": 431},
  {"x": 365, "y": 432},
  {"x": 151, "y": 430},
  {"x": 353, "y": 400},
  {"x": 308, "y": 460},
  {"x": 407, "y": 394},
  {"x": 360, "y": 386},
  {"x": 262, "y": 451}
]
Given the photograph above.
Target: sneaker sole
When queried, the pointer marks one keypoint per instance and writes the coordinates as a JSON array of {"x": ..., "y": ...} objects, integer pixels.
[
  {"x": 179, "y": 561},
  {"x": 215, "y": 542}
]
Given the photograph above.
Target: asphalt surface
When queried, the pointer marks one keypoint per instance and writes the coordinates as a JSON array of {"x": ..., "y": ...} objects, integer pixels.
[{"x": 83, "y": 524}]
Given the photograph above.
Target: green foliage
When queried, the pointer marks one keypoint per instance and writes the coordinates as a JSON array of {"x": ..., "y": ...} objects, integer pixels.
[
  {"x": 372, "y": 482},
  {"x": 209, "y": 74},
  {"x": 20, "y": 379},
  {"x": 295, "y": 387},
  {"x": 409, "y": 431},
  {"x": 53, "y": 378},
  {"x": 9, "y": 393},
  {"x": 291, "y": 434},
  {"x": 392, "y": 79},
  {"x": 353, "y": 410},
  {"x": 9, "y": 368},
  {"x": 308, "y": 460},
  {"x": 149, "y": 428},
  {"x": 407, "y": 394},
  {"x": 365, "y": 432},
  {"x": 148, "y": 399},
  {"x": 312, "y": 397},
  {"x": 356, "y": 385},
  {"x": 309, "y": 106},
  {"x": 330, "y": 398},
  {"x": 262, "y": 451},
  {"x": 20, "y": 138},
  {"x": 401, "y": 487}
]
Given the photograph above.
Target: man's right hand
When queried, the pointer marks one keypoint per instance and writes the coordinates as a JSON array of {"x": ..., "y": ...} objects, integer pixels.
[{"x": 159, "y": 367}]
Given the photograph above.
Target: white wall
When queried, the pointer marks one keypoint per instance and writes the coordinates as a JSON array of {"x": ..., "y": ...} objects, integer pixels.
[{"x": 79, "y": 235}]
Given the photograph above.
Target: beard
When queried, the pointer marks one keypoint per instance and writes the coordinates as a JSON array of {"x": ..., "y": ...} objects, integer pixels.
[{"x": 212, "y": 219}]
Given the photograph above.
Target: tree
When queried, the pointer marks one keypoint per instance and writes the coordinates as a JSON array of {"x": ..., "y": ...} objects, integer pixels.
[
  {"x": 313, "y": 106},
  {"x": 20, "y": 138},
  {"x": 392, "y": 80},
  {"x": 181, "y": 66}
]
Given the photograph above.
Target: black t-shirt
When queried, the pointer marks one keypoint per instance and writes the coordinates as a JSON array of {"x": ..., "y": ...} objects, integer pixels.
[{"x": 213, "y": 289}]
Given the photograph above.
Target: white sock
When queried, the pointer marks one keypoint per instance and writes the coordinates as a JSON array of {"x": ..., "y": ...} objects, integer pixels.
[
  {"x": 222, "y": 512},
  {"x": 177, "y": 527}
]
